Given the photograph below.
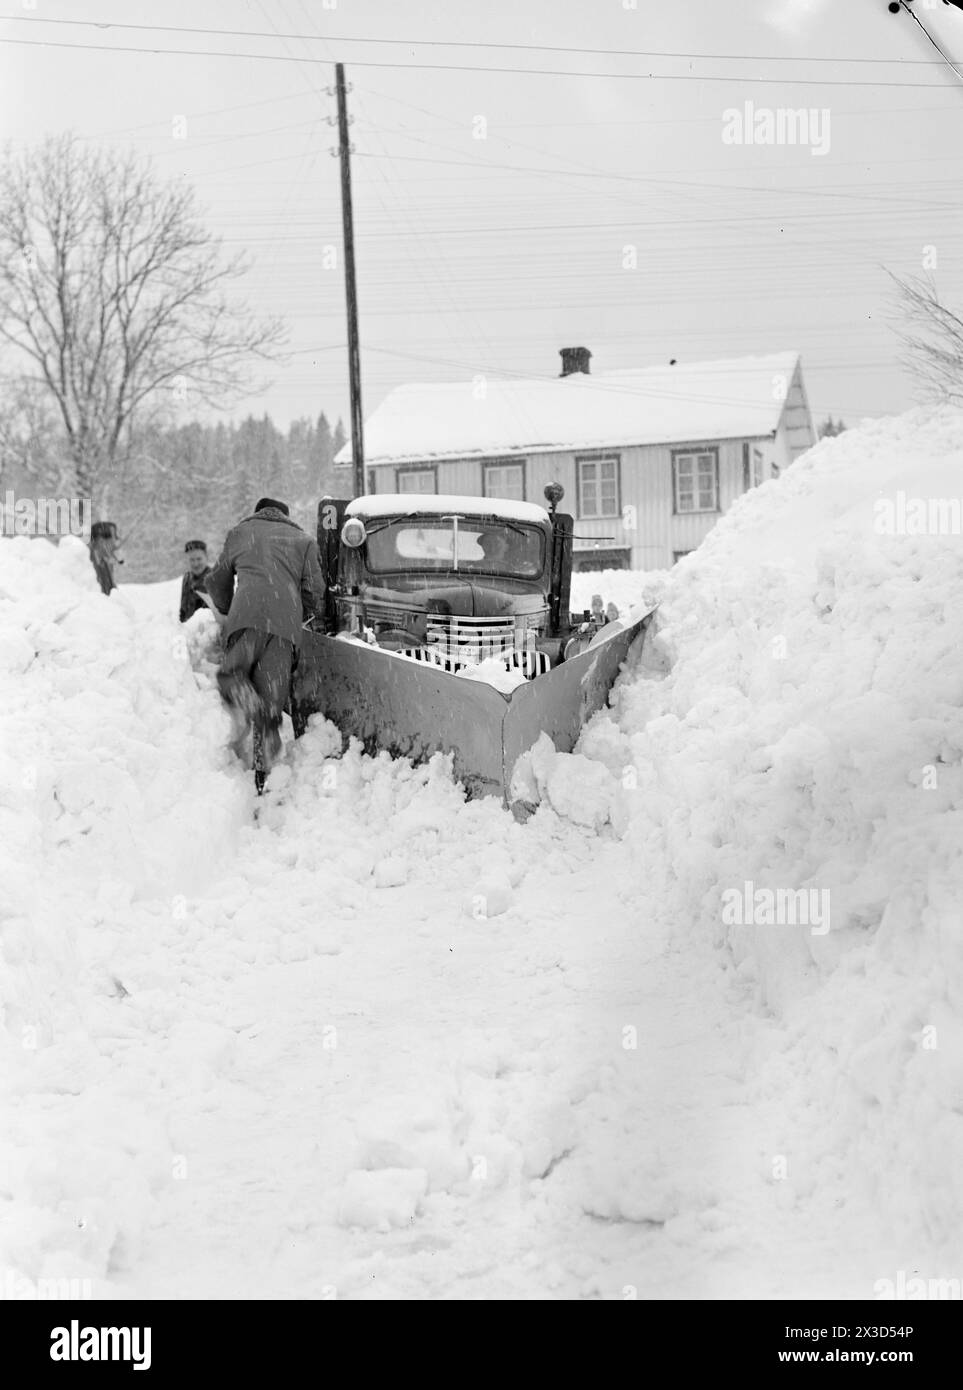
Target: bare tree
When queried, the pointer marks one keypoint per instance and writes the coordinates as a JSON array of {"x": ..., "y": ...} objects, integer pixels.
[
  {"x": 112, "y": 297},
  {"x": 932, "y": 337},
  {"x": 31, "y": 440}
]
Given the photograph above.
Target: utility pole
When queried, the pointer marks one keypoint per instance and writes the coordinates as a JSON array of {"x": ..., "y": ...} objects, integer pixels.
[{"x": 350, "y": 288}]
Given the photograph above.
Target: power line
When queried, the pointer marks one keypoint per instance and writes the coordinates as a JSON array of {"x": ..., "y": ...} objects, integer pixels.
[
  {"x": 194, "y": 115},
  {"x": 645, "y": 179},
  {"x": 164, "y": 125},
  {"x": 473, "y": 44},
  {"x": 441, "y": 279},
  {"x": 465, "y": 67}
]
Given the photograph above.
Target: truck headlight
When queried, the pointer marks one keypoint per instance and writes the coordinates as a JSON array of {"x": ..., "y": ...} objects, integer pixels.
[{"x": 353, "y": 532}]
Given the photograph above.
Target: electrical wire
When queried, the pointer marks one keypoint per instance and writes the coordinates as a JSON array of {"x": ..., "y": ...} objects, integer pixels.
[
  {"x": 464, "y": 43},
  {"x": 742, "y": 81}
]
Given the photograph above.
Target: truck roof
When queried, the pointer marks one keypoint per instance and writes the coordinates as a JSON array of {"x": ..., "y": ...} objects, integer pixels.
[{"x": 434, "y": 504}]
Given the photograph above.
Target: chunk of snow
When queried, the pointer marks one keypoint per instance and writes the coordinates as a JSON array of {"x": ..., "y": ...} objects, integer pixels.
[
  {"x": 391, "y": 873},
  {"x": 380, "y": 1200},
  {"x": 493, "y": 672},
  {"x": 490, "y": 896}
]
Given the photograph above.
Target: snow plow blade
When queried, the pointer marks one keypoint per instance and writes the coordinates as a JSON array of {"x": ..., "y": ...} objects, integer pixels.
[{"x": 414, "y": 710}]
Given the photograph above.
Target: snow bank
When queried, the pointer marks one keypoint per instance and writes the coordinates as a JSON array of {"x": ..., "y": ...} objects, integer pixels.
[
  {"x": 625, "y": 588},
  {"x": 791, "y": 789},
  {"x": 117, "y": 798},
  {"x": 388, "y": 1042}
]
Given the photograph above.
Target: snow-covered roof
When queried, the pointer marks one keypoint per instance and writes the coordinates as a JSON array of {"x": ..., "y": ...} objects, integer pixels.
[
  {"x": 407, "y": 503},
  {"x": 734, "y": 398}
]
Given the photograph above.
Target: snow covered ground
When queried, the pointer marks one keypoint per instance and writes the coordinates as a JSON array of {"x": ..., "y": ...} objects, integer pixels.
[{"x": 381, "y": 1042}]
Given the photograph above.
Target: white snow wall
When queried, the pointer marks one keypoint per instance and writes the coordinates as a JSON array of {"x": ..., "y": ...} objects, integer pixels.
[
  {"x": 112, "y": 771},
  {"x": 809, "y": 736}
]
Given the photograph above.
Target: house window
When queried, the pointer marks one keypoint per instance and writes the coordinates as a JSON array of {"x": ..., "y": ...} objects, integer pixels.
[
  {"x": 696, "y": 480},
  {"x": 585, "y": 560},
  {"x": 372, "y": 481},
  {"x": 598, "y": 487},
  {"x": 678, "y": 554},
  {"x": 757, "y": 467},
  {"x": 504, "y": 480},
  {"x": 415, "y": 480}
]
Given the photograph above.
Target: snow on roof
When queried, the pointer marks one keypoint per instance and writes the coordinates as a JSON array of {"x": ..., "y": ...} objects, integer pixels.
[
  {"x": 407, "y": 503},
  {"x": 740, "y": 397}
]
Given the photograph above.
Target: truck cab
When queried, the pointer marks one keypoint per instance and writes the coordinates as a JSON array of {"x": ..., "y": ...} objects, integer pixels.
[
  {"x": 447, "y": 630},
  {"x": 449, "y": 580}
]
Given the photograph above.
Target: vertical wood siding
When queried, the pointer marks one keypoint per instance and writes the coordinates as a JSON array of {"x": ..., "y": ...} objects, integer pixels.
[{"x": 648, "y": 525}]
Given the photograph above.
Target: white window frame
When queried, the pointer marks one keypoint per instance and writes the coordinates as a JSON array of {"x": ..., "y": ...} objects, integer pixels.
[
  {"x": 592, "y": 461},
  {"x": 678, "y": 455},
  {"x": 499, "y": 465},
  {"x": 431, "y": 473}
]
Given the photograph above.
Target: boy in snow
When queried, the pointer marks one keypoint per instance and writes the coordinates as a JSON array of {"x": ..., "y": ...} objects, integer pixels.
[
  {"x": 279, "y": 585},
  {"x": 105, "y": 553},
  {"x": 193, "y": 590}
]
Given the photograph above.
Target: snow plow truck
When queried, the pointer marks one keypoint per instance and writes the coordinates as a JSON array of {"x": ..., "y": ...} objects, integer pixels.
[{"x": 448, "y": 629}]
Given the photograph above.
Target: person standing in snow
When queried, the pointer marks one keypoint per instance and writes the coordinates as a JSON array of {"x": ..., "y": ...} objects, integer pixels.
[
  {"x": 105, "y": 553},
  {"x": 279, "y": 585},
  {"x": 193, "y": 590}
]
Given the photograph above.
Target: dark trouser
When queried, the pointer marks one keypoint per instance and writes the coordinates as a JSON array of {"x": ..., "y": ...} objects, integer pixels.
[
  {"x": 105, "y": 573},
  {"x": 261, "y": 662}
]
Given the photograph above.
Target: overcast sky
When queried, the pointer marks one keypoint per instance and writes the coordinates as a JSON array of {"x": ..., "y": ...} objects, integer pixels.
[{"x": 488, "y": 255}]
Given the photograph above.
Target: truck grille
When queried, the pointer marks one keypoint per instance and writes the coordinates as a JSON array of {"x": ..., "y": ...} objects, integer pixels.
[
  {"x": 379, "y": 612},
  {"x": 471, "y": 639},
  {"x": 454, "y": 641},
  {"x": 529, "y": 663}
]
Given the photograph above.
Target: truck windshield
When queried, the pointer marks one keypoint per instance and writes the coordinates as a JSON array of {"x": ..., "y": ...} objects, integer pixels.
[{"x": 429, "y": 543}]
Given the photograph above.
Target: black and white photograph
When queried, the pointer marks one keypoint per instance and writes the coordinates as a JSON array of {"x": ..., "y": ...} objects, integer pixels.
[{"x": 481, "y": 663}]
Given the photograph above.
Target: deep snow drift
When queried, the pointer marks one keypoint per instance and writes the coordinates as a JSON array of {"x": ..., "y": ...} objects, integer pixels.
[
  {"x": 382, "y": 1042},
  {"x": 809, "y": 736}
]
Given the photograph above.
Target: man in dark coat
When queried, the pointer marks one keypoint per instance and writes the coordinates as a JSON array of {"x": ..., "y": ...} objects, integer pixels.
[
  {"x": 279, "y": 584},
  {"x": 105, "y": 553},
  {"x": 193, "y": 586}
]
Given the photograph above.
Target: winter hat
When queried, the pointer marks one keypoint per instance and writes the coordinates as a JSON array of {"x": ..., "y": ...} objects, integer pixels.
[
  {"x": 270, "y": 502},
  {"x": 103, "y": 531},
  {"x": 195, "y": 545}
]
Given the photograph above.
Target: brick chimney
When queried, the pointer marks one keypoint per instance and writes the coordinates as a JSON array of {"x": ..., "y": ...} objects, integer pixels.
[{"x": 574, "y": 360}]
